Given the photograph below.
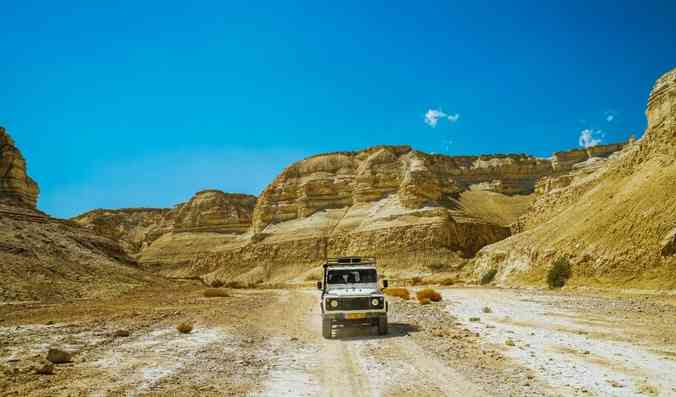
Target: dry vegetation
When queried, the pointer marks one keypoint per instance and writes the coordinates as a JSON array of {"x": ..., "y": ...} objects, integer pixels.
[
  {"x": 184, "y": 327},
  {"x": 402, "y": 293},
  {"x": 428, "y": 294},
  {"x": 216, "y": 293}
]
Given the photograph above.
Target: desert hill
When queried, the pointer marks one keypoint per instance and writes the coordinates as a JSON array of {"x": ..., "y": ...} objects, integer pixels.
[
  {"x": 42, "y": 258},
  {"x": 615, "y": 221}
]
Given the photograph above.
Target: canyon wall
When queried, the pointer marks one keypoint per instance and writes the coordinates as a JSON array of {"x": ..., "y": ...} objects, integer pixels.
[
  {"x": 410, "y": 209},
  {"x": 614, "y": 220}
]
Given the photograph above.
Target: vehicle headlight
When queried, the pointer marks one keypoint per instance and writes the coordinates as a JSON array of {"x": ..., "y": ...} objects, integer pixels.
[
  {"x": 333, "y": 303},
  {"x": 375, "y": 302}
]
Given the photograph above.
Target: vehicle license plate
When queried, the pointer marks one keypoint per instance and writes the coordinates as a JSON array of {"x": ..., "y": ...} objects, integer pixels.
[{"x": 356, "y": 316}]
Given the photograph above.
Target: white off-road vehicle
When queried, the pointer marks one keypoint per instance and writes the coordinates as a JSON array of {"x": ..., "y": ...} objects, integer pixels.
[{"x": 351, "y": 296}]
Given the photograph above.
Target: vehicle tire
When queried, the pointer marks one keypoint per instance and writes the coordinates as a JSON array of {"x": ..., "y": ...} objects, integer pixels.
[
  {"x": 326, "y": 327},
  {"x": 382, "y": 325}
]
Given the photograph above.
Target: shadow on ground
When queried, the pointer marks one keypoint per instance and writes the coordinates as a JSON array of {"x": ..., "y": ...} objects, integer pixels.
[{"x": 396, "y": 330}]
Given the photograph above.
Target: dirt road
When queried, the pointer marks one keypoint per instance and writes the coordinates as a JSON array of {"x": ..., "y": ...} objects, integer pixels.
[{"x": 268, "y": 343}]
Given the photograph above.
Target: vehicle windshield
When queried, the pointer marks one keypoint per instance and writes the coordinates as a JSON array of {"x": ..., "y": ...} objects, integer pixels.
[{"x": 352, "y": 276}]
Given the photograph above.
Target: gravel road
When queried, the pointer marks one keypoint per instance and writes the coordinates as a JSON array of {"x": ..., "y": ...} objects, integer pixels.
[{"x": 268, "y": 343}]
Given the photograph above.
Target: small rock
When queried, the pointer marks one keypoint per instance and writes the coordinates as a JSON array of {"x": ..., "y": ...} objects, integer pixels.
[
  {"x": 510, "y": 342},
  {"x": 58, "y": 356}
]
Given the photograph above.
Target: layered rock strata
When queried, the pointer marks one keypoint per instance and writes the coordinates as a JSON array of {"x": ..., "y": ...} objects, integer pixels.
[
  {"x": 16, "y": 187},
  {"x": 614, "y": 220}
]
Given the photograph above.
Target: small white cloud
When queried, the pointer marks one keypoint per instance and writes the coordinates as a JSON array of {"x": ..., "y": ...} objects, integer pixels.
[
  {"x": 433, "y": 116},
  {"x": 589, "y": 138},
  {"x": 610, "y": 115}
]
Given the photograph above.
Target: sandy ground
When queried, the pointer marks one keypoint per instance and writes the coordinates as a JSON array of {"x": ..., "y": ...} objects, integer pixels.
[{"x": 268, "y": 343}]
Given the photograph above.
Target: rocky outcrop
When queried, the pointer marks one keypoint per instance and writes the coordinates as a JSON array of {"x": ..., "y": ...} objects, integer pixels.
[
  {"x": 134, "y": 228},
  {"x": 612, "y": 219},
  {"x": 340, "y": 180},
  {"x": 16, "y": 187},
  {"x": 176, "y": 235},
  {"x": 215, "y": 211},
  {"x": 48, "y": 259}
]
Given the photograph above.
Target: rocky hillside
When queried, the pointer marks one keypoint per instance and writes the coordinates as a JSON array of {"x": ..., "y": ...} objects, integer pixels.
[
  {"x": 615, "y": 220},
  {"x": 48, "y": 259},
  {"x": 411, "y": 209},
  {"x": 169, "y": 236}
]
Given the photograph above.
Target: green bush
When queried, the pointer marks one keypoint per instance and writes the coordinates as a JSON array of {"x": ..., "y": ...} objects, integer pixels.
[
  {"x": 559, "y": 273},
  {"x": 487, "y": 277}
]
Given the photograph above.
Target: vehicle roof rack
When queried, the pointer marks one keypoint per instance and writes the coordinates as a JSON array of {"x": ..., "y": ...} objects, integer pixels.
[{"x": 350, "y": 260}]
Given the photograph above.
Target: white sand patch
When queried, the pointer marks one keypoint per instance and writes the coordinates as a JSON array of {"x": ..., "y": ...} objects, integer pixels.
[
  {"x": 292, "y": 369},
  {"x": 143, "y": 362},
  {"x": 565, "y": 348}
]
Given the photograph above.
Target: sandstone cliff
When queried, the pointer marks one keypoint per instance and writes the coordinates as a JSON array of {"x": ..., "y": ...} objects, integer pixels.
[
  {"x": 412, "y": 210},
  {"x": 615, "y": 220},
  {"x": 16, "y": 187},
  {"x": 174, "y": 236},
  {"x": 42, "y": 258}
]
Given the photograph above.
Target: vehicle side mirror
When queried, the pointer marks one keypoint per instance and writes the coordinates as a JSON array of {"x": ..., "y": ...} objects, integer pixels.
[
  {"x": 385, "y": 284},
  {"x": 319, "y": 285}
]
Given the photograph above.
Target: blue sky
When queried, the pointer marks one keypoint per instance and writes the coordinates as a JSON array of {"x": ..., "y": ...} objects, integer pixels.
[{"x": 143, "y": 103}]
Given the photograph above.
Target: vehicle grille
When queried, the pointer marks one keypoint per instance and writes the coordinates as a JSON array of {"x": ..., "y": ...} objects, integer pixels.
[{"x": 361, "y": 303}]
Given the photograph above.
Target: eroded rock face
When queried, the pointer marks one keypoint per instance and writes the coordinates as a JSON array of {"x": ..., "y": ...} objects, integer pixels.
[
  {"x": 613, "y": 219},
  {"x": 134, "y": 228},
  {"x": 180, "y": 232},
  {"x": 662, "y": 102},
  {"x": 16, "y": 187},
  {"x": 216, "y": 211},
  {"x": 340, "y": 180}
]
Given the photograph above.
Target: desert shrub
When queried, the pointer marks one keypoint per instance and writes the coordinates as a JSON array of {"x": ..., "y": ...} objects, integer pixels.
[
  {"x": 487, "y": 310},
  {"x": 417, "y": 280},
  {"x": 474, "y": 319},
  {"x": 398, "y": 292},
  {"x": 217, "y": 284},
  {"x": 429, "y": 294},
  {"x": 184, "y": 327},
  {"x": 216, "y": 293},
  {"x": 424, "y": 301},
  {"x": 488, "y": 277},
  {"x": 559, "y": 273}
]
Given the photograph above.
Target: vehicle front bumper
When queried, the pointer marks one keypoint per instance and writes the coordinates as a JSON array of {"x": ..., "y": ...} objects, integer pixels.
[{"x": 350, "y": 316}]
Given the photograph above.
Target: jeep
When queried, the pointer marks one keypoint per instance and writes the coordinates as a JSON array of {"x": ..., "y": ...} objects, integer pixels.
[{"x": 350, "y": 294}]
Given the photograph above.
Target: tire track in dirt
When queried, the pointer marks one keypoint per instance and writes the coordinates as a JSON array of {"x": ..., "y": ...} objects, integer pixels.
[{"x": 360, "y": 363}]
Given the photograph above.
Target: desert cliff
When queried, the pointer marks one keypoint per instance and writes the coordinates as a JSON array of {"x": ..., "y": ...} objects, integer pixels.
[
  {"x": 615, "y": 220},
  {"x": 412, "y": 210}
]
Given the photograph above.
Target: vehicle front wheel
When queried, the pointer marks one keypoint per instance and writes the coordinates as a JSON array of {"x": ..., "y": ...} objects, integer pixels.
[
  {"x": 382, "y": 325},
  {"x": 326, "y": 327}
]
